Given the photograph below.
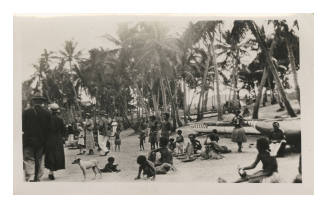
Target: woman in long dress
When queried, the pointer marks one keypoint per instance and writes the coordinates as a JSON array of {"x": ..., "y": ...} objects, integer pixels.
[
  {"x": 54, "y": 148},
  {"x": 238, "y": 134},
  {"x": 89, "y": 138}
]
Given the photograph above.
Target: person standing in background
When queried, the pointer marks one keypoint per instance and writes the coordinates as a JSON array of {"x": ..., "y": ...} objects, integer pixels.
[
  {"x": 166, "y": 127},
  {"x": 153, "y": 132},
  {"x": 35, "y": 125},
  {"x": 103, "y": 134},
  {"x": 238, "y": 134},
  {"x": 89, "y": 138},
  {"x": 54, "y": 148}
]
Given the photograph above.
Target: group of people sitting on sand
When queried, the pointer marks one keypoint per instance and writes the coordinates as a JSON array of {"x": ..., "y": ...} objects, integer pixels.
[{"x": 268, "y": 149}]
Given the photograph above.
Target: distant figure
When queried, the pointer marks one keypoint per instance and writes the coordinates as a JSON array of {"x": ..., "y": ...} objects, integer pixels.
[
  {"x": 89, "y": 138},
  {"x": 238, "y": 134},
  {"x": 142, "y": 139},
  {"x": 103, "y": 134},
  {"x": 70, "y": 132},
  {"x": 166, "y": 127},
  {"x": 153, "y": 132},
  {"x": 180, "y": 142},
  {"x": 81, "y": 139},
  {"x": 277, "y": 140},
  {"x": 117, "y": 141},
  {"x": 36, "y": 127},
  {"x": 269, "y": 165},
  {"x": 114, "y": 126},
  {"x": 54, "y": 148},
  {"x": 110, "y": 166}
]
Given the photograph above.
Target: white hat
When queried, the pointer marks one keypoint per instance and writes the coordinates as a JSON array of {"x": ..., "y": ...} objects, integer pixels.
[{"x": 54, "y": 106}]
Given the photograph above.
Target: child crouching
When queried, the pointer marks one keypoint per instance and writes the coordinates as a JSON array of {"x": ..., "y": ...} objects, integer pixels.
[{"x": 110, "y": 166}]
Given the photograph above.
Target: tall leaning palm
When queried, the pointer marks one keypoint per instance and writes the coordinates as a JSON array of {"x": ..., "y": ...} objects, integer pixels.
[
  {"x": 72, "y": 56},
  {"x": 287, "y": 33},
  {"x": 270, "y": 64}
]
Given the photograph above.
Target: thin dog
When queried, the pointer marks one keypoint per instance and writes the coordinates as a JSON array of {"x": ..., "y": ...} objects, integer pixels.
[{"x": 87, "y": 164}]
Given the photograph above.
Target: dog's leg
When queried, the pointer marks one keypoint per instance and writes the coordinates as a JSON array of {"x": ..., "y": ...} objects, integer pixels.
[
  {"x": 95, "y": 173},
  {"x": 84, "y": 174},
  {"x": 99, "y": 171}
]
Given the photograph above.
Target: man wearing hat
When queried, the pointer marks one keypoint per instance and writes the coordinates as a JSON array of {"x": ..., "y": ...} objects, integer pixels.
[
  {"x": 35, "y": 125},
  {"x": 103, "y": 134}
]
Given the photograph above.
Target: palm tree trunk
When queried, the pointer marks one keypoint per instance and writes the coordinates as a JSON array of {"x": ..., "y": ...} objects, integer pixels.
[
  {"x": 205, "y": 101},
  {"x": 219, "y": 109},
  {"x": 258, "y": 98},
  {"x": 264, "y": 78},
  {"x": 254, "y": 29},
  {"x": 204, "y": 83},
  {"x": 293, "y": 67},
  {"x": 163, "y": 94},
  {"x": 184, "y": 101},
  {"x": 199, "y": 107},
  {"x": 73, "y": 88}
]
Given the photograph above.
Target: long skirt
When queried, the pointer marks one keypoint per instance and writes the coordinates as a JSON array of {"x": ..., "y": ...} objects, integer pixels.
[
  {"x": 238, "y": 135},
  {"x": 54, "y": 153},
  {"x": 89, "y": 141}
]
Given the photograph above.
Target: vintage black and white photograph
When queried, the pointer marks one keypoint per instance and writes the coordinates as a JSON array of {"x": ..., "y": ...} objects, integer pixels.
[{"x": 117, "y": 99}]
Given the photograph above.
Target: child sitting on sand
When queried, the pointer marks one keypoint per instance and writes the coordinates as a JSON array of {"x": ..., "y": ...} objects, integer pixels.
[
  {"x": 192, "y": 148},
  {"x": 172, "y": 144},
  {"x": 212, "y": 149},
  {"x": 269, "y": 165},
  {"x": 179, "y": 142},
  {"x": 110, "y": 166},
  {"x": 146, "y": 167},
  {"x": 165, "y": 162}
]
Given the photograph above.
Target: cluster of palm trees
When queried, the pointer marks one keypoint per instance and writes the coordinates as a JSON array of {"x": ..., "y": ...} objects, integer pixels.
[{"x": 148, "y": 71}]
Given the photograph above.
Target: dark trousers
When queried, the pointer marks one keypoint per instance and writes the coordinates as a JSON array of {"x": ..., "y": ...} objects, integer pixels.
[{"x": 33, "y": 167}]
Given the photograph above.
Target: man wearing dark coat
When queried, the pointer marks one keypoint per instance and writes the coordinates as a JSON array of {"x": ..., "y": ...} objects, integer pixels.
[{"x": 35, "y": 126}]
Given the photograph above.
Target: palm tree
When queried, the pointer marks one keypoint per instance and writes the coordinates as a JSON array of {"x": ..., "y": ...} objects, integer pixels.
[
  {"x": 207, "y": 31},
  {"x": 234, "y": 46},
  {"x": 271, "y": 66},
  {"x": 70, "y": 55},
  {"x": 287, "y": 34}
]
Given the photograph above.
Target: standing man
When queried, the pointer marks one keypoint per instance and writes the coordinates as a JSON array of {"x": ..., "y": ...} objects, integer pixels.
[
  {"x": 36, "y": 125},
  {"x": 166, "y": 127},
  {"x": 153, "y": 132},
  {"x": 103, "y": 134}
]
